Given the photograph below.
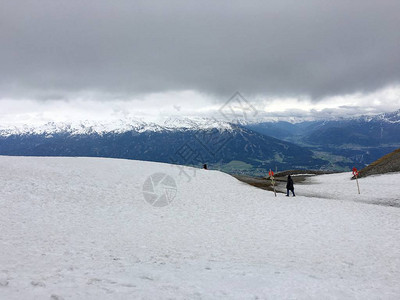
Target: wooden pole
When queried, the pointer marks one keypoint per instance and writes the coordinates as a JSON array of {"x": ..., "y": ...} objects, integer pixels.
[
  {"x": 355, "y": 174},
  {"x": 358, "y": 186},
  {"x": 271, "y": 176}
]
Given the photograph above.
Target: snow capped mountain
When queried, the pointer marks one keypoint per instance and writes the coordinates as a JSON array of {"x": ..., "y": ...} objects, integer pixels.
[
  {"x": 181, "y": 141},
  {"x": 197, "y": 124},
  {"x": 83, "y": 127},
  {"x": 392, "y": 117},
  {"x": 116, "y": 126},
  {"x": 169, "y": 124},
  {"x": 236, "y": 147}
]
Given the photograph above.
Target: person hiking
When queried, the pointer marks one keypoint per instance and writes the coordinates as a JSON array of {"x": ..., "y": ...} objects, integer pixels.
[{"x": 289, "y": 186}]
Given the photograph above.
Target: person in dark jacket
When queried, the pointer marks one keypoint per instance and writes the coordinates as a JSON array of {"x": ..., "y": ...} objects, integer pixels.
[{"x": 290, "y": 186}]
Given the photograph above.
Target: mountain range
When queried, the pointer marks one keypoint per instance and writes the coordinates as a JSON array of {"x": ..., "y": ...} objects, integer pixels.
[
  {"x": 343, "y": 142},
  {"x": 250, "y": 148}
]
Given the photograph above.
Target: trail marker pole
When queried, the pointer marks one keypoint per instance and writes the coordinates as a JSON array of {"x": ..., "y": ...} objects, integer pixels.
[
  {"x": 355, "y": 173},
  {"x": 271, "y": 177}
]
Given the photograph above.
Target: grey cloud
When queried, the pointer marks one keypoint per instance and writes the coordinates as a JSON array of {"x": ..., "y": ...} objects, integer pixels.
[
  {"x": 284, "y": 48},
  {"x": 325, "y": 114}
]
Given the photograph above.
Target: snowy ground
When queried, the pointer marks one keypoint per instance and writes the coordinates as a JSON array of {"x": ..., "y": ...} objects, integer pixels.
[
  {"x": 80, "y": 228},
  {"x": 378, "y": 189}
]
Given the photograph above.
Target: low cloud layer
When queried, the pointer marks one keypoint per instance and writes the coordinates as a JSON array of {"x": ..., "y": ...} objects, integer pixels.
[
  {"x": 158, "y": 107},
  {"x": 124, "y": 49}
]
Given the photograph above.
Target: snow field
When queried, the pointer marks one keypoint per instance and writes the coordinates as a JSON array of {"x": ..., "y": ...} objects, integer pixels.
[
  {"x": 79, "y": 228},
  {"x": 376, "y": 189}
]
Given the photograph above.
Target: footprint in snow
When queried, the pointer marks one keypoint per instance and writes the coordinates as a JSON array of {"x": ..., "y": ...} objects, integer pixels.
[
  {"x": 3, "y": 282},
  {"x": 38, "y": 283},
  {"x": 146, "y": 277}
]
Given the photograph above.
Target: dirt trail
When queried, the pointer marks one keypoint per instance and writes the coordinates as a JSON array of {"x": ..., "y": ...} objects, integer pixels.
[{"x": 265, "y": 184}]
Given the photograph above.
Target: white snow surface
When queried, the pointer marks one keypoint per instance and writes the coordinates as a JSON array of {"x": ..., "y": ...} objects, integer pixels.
[
  {"x": 79, "y": 228},
  {"x": 377, "y": 189}
]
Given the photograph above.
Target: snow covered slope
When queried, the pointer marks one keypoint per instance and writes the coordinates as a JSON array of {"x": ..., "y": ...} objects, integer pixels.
[
  {"x": 377, "y": 189},
  {"x": 80, "y": 228}
]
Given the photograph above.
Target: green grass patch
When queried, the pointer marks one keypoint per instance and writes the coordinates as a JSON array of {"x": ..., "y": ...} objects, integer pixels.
[{"x": 237, "y": 164}]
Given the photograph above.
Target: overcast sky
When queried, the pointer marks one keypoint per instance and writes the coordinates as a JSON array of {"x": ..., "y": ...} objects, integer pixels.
[{"x": 96, "y": 57}]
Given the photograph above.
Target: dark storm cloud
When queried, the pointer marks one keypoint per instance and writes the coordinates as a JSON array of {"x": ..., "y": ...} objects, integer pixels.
[{"x": 312, "y": 48}]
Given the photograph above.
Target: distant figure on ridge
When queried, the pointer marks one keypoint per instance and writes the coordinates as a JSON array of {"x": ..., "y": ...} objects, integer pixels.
[
  {"x": 205, "y": 167},
  {"x": 289, "y": 186}
]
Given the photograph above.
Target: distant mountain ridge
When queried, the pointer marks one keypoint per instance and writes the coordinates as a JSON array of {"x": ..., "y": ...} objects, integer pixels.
[
  {"x": 358, "y": 141},
  {"x": 278, "y": 129},
  {"x": 285, "y": 129},
  {"x": 115, "y": 126},
  {"x": 248, "y": 148},
  {"x": 391, "y": 117},
  {"x": 230, "y": 147}
]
